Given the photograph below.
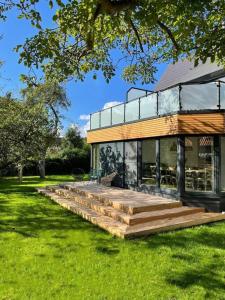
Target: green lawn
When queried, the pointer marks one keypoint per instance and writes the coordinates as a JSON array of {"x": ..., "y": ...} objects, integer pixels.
[{"x": 48, "y": 253}]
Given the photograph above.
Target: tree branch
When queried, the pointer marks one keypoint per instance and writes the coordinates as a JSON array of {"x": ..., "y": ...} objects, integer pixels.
[
  {"x": 136, "y": 33},
  {"x": 169, "y": 33}
]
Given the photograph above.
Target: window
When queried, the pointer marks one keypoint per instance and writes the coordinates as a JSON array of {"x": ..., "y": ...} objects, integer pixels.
[
  {"x": 95, "y": 157},
  {"x": 168, "y": 163},
  {"x": 223, "y": 163},
  {"x": 149, "y": 162},
  {"x": 199, "y": 164},
  {"x": 131, "y": 162}
]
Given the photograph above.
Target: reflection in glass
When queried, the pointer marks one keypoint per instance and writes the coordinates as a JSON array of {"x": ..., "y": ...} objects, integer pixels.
[
  {"x": 149, "y": 162},
  {"x": 95, "y": 157},
  {"x": 148, "y": 106},
  {"x": 199, "y": 96},
  {"x": 131, "y": 162},
  {"x": 132, "y": 111},
  {"x": 223, "y": 163},
  {"x": 95, "y": 120},
  {"x": 199, "y": 164},
  {"x": 118, "y": 114},
  {"x": 168, "y": 163},
  {"x": 168, "y": 101},
  {"x": 106, "y": 117},
  {"x": 111, "y": 160}
]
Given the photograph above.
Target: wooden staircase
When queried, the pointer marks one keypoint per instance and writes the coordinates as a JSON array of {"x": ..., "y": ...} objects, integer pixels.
[{"x": 126, "y": 213}]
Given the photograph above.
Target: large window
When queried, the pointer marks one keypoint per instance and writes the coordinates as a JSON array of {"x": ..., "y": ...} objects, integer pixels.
[
  {"x": 95, "y": 157},
  {"x": 131, "y": 162},
  {"x": 223, "y": 163},
  {"x": 168, "y": 163},
  {"x": 199, "y": 164},
  {"x": 148, "y": 162}
]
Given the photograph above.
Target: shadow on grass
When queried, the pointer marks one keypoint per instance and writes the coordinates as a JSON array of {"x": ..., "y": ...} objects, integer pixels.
[{"x": 25, "y": 212}]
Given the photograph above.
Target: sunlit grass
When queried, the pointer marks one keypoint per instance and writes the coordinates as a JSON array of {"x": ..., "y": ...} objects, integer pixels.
[{"x": 47, "y": 252}]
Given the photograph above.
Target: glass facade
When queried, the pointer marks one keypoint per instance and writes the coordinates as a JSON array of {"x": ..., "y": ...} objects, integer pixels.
[
  {"x": 199, "y": 164},
  {"x": 148, "y": 162},
  {"x": 168, "y": 163},
  {"x": 130, "y": 156},
  {"x": 222, "y": 179}
]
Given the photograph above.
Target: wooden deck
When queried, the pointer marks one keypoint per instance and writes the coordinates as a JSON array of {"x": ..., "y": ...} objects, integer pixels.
[{"x": 127, "y": 213}]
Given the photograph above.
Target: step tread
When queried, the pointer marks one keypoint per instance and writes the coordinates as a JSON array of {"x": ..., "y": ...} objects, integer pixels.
[
  {"x": 174, "y": 223},
  {"x": 115, "y": 198},
  {"x": 107, "y": 223},
  {"x": 122, "y": 216}
]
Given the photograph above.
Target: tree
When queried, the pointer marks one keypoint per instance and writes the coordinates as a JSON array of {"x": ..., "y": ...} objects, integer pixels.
[
  {"x": 24, "y": 128},
  {"x": 53, "y": 98},
  {"x": 72, "y": 138},
  {"x": 146, "y": 32}
]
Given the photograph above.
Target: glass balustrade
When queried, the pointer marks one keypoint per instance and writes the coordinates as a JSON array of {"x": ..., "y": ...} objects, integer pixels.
[
  {"x": 168, "y": 101},
  {"x": 106, "y": 117},
  {"x": 132, "y": 111},
  {"x": 148, "y": 106},
  {"x": 95, "y": 120},
  {"x": 118, "y": 114},
  {"x": 185, "y": 98},
  {"x": 222, "y": 95},
  {"x": 199, "y": 96}
]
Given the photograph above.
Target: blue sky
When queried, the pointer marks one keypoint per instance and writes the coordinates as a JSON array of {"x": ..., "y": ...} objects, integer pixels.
[{"x": 86, "y": 97}]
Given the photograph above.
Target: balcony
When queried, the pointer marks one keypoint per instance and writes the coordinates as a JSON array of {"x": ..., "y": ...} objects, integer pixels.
[{"x": 182, "y": 98}]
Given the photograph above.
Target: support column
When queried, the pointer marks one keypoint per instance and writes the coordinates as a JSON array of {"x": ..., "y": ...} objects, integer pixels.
[
  {"x": 157, "y": 155},
  {"x": 91, "y": 158},
  {"x": 180, "y": 165},
  {"x": 217, "y": 164}
]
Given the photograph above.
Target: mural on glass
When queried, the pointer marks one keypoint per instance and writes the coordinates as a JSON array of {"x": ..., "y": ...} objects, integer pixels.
[
  {"x": 199, "y": 164},
  {"x": 149, "y": 162},
  {"x": 168, "y": 163},
  {"x": 131, "y": 162},
  {"x": 111, "y": 160}
]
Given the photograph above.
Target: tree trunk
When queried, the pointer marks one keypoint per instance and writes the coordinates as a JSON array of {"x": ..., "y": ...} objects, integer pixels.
[
  {"x": 41, "y": 166},
  {"x": 20, "y": 173}
]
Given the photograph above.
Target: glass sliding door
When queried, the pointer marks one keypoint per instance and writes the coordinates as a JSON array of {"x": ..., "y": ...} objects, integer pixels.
[
  {"x": 148, "y": 162},
  {"x": 199, "y": 164},
  {"x": 131, "y": 163},
  {"x": 168, "y": 163}
]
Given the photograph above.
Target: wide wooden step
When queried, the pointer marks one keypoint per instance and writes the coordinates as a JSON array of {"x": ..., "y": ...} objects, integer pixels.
[
  {"x": 120, "y": 229},
  {"x": 132, "y": 203},
  {"x": 120, "y": 215},
  {"x": 172, "y": 224},
  {"x": 114, "y": 227}
]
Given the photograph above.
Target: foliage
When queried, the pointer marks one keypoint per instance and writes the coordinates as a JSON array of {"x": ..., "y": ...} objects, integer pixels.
[
  {"x": 72, "y": 138},
  {"x": 87, "y": 32},
  {"x": 24, "y": 129},
  {"x": 47, "y": 252}
]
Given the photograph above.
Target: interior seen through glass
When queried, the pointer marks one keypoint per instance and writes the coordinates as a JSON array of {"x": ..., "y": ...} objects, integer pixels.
[
  {"x": 149, "y": 162},
  {"x": 199, "y": 164},
  {"x": 168, "y": 163}
]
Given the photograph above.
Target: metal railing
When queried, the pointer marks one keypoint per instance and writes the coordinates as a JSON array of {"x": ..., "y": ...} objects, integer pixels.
[{"x": 182, "y": 97}]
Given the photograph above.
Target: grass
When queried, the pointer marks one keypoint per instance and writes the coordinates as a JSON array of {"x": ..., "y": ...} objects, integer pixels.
[{"x": 48, "y": 253}]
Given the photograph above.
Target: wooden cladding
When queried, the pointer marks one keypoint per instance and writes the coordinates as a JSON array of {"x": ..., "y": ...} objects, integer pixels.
[{"x": 207, "y": 123}]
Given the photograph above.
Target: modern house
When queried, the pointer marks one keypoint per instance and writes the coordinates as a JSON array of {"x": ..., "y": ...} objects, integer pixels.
[{"x": 170, "y": 141}]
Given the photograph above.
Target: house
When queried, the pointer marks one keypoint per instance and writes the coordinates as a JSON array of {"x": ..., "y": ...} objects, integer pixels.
[{"x": 170, "y": 141}]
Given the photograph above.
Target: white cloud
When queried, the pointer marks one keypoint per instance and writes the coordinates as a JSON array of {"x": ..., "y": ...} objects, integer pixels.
[
  {"x": 111, "y": 103},
  {"x": 84, "y": 117},
  {"x": 85, "y": 127}
]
